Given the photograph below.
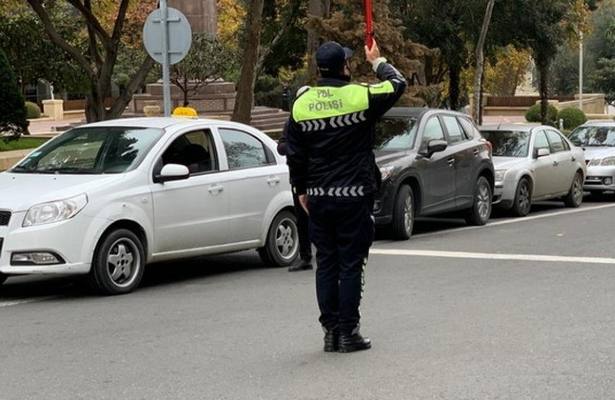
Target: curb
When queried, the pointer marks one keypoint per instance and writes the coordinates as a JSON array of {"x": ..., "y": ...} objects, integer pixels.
[{"x": 10, "y": 158}]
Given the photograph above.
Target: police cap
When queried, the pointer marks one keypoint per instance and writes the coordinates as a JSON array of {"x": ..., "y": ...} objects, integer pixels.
[{"x": 331, "y": 56}]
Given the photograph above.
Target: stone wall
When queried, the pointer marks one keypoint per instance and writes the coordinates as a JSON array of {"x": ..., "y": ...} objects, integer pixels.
[
  {"x": 214, "y": 97},
  {"x": 202, "y": 14}
]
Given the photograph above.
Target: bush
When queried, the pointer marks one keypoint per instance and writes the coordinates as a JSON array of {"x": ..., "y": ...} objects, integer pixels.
[
  {"x": 12, "y": 109},
  {"x": 533, "y": 114},
  {"x": 33, "y": 111},
  {"x": 572, "y": 117}
]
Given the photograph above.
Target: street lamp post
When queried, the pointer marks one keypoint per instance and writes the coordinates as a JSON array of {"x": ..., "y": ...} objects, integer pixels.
[{"x": 581, "y": 71}]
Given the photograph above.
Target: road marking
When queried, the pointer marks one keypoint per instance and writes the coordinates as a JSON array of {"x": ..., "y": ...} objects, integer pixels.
[
  {"x": 516, "y": 220},
  {"x": 492, "y": 256},
  {"x": 25, "y": 301}
]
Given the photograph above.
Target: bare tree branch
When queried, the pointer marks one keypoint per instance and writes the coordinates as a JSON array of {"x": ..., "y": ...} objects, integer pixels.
[
  {"x": 93, "y": 45},
  {"x": 119, "y": 24},
  {"x": 93, "y": 21},
  {"x": 289, "y": 20},
  {"x": 119, "y": 105},
  {"x": 58, "y": 40}
]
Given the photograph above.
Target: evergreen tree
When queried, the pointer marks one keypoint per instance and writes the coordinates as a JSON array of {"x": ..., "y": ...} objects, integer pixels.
[
  {"x": 12, "y": 105},
  {"x": 346, "y": 25}
]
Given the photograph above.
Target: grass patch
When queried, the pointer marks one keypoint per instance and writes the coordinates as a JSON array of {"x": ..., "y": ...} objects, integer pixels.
[{"x": 22, "y": 144}]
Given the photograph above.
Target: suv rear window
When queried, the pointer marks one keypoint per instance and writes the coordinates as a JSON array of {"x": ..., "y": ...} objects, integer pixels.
[
  {"x": 395, "y": 134},
  {"x": 508, "y": 143}
]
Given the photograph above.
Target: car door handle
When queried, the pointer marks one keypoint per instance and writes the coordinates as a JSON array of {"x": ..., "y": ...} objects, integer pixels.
[
  {"x": 555, "y": 163},
  {"x": 574, "y": 159},
  {"x": 215, "y": 189},
  {"x": 451, "y": 162},
  {"x": 476, "y": 152},
  {"x": 274, "y": 180}
]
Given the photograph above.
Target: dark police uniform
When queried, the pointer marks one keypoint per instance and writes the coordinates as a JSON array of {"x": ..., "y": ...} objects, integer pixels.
[{"x": 330, "y": 140}]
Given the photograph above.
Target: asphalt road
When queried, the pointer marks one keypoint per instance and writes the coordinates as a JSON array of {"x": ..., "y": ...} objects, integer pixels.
[{"x": 520, "y": 309}]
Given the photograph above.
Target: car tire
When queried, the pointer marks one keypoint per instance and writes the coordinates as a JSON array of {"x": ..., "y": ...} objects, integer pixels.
[
  {"x": 282, "y": 246},
  {"x": 480, "y": 212},
  {"x": 403, "y": 214},
  {"x": 523, "y": 198},
  {"x": 574, "y": 198},
  {"x": 119, "y": 263}
]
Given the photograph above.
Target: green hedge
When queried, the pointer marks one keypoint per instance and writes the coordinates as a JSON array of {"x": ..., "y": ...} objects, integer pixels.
[
  {"x": 33, "y": 111},
  {"x": 573, "y": 117},
  {"x": 533, "y": 114}
]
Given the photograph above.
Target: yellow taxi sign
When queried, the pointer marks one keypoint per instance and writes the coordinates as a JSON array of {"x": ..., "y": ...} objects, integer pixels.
[{"x": 185, "y": 112}]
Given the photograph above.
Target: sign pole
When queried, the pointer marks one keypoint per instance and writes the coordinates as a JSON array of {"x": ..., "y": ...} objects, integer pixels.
[
  {"x": 166, "y": 73},
  {"x": 369, "y": 23}
]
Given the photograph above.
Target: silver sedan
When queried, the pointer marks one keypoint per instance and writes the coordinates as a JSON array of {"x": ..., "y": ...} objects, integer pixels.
[
  {"x": 534, "y": 163},
  {"x": 598, "y": 139}
]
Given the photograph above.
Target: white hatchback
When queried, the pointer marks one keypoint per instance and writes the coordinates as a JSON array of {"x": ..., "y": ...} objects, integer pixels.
[{"x": 107, "y": 198}]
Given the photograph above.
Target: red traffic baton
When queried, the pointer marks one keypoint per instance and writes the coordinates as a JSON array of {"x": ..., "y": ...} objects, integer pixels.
[{"x": 369, "y": 23}]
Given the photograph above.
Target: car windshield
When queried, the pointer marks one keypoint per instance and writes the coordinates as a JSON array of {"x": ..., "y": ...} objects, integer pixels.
[
  {"x": 594, "y": 136},
  {"x": 508, "y": 143},
  {"x": 101, "y": 150},
  {"x": 395, "y": 134}
]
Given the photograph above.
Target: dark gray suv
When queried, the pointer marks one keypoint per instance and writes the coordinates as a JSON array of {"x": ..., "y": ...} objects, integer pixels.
[{"x": 432, "y": 162}]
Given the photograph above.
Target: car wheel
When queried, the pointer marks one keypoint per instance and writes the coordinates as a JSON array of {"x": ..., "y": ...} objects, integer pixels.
[
  {"x": 523, "y": 198},
  {"x": 481, "y": 209},
  {"x": 119, "y": 263},
  {"x": 575, "y": 196},
  {"x": 282, "y": 246},
  {"x": 403, "y": 214}
]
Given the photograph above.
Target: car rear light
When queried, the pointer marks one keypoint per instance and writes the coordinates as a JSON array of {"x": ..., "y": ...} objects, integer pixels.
[{"x": 489, "y": 147}]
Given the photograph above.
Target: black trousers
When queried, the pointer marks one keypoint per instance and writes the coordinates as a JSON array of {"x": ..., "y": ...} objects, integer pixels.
[
  {"x": 305, "y": 247},
  {"x": 342, "y": 231}
]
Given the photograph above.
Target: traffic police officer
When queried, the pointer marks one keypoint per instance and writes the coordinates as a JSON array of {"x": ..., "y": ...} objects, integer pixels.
[{"x": 331, "y": 134}]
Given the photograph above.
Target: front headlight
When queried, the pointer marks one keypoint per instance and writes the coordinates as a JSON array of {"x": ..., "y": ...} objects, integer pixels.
[
  {"x": 387, "y": 172},
  {"x": 55, "y": 211},
  {"x": 500, "y": 174},
  {"x": 608, "y": 162}
]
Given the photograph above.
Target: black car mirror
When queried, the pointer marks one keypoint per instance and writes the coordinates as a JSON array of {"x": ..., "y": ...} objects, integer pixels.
[{"x": 434, "y": 146}]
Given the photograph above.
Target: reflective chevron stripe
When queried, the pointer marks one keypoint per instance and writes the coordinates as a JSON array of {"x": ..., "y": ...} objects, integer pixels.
[
  {"x": 313, "y": 125},
  {"x": 347, "y": 191}
]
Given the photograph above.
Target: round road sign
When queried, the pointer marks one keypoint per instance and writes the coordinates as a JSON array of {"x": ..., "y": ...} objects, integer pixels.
[{"x": 180, "y": 35}]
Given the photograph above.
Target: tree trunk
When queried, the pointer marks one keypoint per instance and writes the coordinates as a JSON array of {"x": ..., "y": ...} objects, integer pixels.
[
  {"x": 247, "y": 78},
  {"x": 454, "y": 74},
  {"x": 543, "y": 71},
  {"x": 316, "y": 9},
  {"x": 480, "y": 61}
]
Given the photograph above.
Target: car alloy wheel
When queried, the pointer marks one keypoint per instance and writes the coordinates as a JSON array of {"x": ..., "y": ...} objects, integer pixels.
[
  {"x": 118, "y": 264},
  {"x": 287, "y": 239},
  {"x": 575, "y": 196},
  {"x": 481, "y": 209},
  {"x": 123, "y": 262},
  {"x": 402, "y": 224},
  {"x": 484, "y": 201},
  {"x": 523, "y": 200},
  {"x": 282, "y": 245},
  {"x": 408, "y": 215}
]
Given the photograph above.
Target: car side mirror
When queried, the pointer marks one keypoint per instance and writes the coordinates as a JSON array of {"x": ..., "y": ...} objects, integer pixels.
[
  {"x": 543, "y": 152},
  {"x": 434, "y": 146},
  {"x": 172, "y": 172}
]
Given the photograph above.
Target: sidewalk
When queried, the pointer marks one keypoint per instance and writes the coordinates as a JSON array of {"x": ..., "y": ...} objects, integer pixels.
[
  {"x": 10, "y": 158},
  {"x": 46, "y": 126}
]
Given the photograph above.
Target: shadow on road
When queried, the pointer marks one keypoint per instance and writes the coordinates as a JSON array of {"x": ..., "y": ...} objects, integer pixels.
[{"x": 156, "y": 275}]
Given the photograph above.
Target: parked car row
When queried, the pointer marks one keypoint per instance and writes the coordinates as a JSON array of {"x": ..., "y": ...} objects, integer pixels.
[
  {"x": 437, "y": 162},
  {"x": 107, "y": 198}
]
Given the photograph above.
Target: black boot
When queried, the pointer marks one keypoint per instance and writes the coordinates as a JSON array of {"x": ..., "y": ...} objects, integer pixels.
[
  {"x": 332, "y": 339},
  {"x": 353, "y": 342},
  {"x": 303, "y": 265}
]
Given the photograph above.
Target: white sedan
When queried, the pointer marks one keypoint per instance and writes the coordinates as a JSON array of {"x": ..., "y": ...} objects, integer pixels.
[{"x": 107, "y": 198}]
